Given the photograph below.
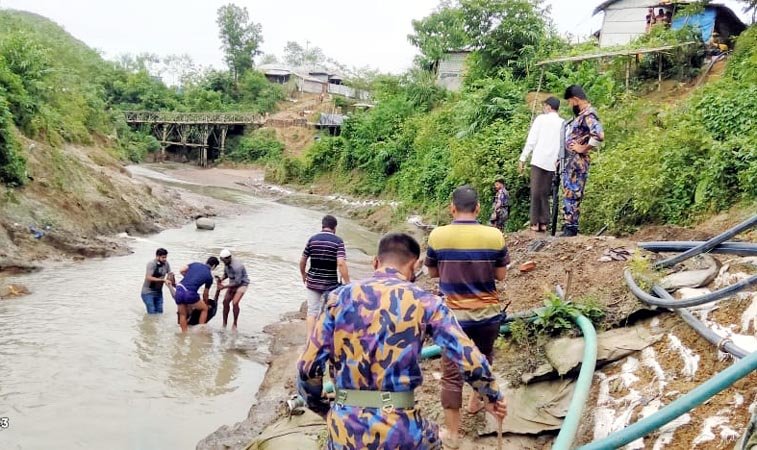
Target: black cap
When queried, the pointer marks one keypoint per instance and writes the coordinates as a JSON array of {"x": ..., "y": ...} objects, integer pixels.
[{"x": 553, "y": 103}]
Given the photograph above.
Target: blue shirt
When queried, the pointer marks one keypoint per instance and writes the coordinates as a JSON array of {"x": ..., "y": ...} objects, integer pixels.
[{"x": 197, "y": 275}]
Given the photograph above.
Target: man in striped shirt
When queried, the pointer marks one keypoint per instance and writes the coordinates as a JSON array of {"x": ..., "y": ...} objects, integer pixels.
[
  {"x": 327, "y": 255},
  {"x": 467, "y": 257}
]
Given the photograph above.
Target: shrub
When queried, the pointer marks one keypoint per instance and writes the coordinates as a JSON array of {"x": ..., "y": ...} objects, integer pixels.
[
  {"x": 260, "y": 145},
  {"x": 12, "y": 163}
]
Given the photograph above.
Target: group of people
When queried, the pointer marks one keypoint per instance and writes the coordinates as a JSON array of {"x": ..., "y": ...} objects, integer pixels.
[
  {"x": 561, "y": 149},
  {"x": 186, "y": 294},
  {"x": 371, "y": 332},
  {"x": 663, "y": 17}
]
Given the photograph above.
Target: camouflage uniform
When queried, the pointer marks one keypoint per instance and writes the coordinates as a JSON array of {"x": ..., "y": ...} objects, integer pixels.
[
  {"x": 501, "y": 209},
  {"x": 583, "y": 128},
  {"x": 371, "y": 333}
]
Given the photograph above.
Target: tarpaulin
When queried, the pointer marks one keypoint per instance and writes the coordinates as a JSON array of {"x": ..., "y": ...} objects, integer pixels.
[{"x": 704, "y": 22}]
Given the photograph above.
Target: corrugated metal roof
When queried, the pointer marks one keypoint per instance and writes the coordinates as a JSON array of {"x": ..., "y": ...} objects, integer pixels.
[{"x": 331, "y": 119}]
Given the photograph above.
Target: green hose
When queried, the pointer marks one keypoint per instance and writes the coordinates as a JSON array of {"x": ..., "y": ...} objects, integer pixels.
[
  {"x": 701, "y": 394},
  {"x": 569, "y": 428},
  {"x": 434, "y": 351}
]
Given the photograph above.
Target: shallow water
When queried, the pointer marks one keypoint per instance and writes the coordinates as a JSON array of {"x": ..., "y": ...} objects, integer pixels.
[{"x": 83, "y": 366}]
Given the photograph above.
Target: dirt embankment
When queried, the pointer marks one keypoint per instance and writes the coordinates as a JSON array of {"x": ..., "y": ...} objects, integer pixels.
[
  {"x": 592, "y": 277},
  {"x": 77, "y": 200}
]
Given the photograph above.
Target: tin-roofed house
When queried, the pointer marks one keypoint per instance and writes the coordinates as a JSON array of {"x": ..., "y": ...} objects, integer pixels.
[{"x": 625, "y": 20}]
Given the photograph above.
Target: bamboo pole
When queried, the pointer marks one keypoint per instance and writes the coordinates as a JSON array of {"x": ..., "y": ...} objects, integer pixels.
[{"x": 536, "y": 97}]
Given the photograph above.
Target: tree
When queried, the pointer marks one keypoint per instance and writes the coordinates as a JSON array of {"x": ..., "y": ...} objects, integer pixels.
[
  {"x": 297, "y": 56},
  {"x": 442, "y": 31},
  {"x": 503, "y": 32},
  {"x": 240, "y": 38},
  {"x": 751, "y": 5},
  {"x": 268, "y": 58}
]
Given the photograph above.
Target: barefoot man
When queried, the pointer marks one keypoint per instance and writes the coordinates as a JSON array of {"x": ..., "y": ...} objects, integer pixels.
[
  {"x": 236, "y": 273},
  {"x": 185, "y": 293}
]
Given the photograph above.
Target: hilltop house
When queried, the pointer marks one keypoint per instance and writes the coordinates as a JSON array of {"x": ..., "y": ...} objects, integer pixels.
[
  {"x": 311, "y": 80},
  {"x": 625, "y": 20},
  {"x": 450, "y": 69}
]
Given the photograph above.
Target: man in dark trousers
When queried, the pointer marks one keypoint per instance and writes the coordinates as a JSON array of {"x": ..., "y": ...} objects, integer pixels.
[
  {"x": 468, "y": 258},
  {"x": 155, "y": 277},
  {"x": 544, "y": 141},
  {"x": 582, "y": 135},
  {"x": 327, "y": 256}
]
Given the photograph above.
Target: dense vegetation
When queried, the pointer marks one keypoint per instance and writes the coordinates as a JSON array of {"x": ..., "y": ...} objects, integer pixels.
[
  {"x": 668, "y": 157},
  {"x": 56, "y": 89},
  {"x": 665, "y": 160}
]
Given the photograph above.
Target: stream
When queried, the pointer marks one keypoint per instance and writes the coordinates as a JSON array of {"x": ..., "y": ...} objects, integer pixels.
[{"x": 83, "y": 366}]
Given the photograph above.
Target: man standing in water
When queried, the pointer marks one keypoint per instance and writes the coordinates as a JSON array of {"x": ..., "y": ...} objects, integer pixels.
[
  {"x": 185, "y": 293},
  {"x": 372, "y": 332},
  {"x": 236, "y": 273},
  {"x": 152, "y": 288},
  {"x": 582, "y": 135},
  {"x": 326, "y": 253},
  {"x": 468, "y": 258}
]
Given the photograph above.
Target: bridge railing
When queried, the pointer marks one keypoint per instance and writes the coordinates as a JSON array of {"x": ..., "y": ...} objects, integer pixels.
[{"x": 193, "y": 118}]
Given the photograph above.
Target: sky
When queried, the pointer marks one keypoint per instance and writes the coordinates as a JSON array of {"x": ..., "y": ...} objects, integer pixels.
[{"x": 354, "y": 32}]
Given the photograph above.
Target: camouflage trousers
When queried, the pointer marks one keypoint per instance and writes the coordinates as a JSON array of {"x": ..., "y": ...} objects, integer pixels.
[{"x": 573, "y": 184}]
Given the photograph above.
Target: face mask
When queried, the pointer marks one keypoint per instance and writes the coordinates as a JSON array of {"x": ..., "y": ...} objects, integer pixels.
[{"x": 576, "y": 110}]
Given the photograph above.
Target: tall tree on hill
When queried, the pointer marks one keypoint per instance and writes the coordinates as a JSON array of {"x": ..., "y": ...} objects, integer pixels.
[
  {"x": 298, "y": 56},
  {"x": 504, "y": 33},
  {"x": 240, "y": 38}
]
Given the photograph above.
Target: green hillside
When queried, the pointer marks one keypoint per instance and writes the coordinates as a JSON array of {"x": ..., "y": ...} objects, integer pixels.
[
  {"x": 669, "y": 157},
  {"x": 55, "y": 89}
]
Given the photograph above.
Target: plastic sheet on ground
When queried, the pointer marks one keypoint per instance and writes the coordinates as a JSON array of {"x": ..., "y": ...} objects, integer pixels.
[
  {"x": 565, "y": 354},
  {"x": 534, "y": 408},
  {"x": 298, "y": 432}
]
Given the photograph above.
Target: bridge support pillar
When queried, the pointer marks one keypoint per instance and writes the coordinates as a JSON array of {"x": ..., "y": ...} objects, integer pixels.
[
  {"x": 204, "y": 134},
  {"x": 224, "y": 131},
  {"x": 163, "y": 139}
]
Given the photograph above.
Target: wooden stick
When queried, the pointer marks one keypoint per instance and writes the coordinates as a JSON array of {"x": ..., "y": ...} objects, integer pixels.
[{"x": 499, "y": 435}]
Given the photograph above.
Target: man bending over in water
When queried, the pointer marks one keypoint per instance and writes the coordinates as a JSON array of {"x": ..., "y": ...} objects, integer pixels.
[{"x": 185, "y": 293}]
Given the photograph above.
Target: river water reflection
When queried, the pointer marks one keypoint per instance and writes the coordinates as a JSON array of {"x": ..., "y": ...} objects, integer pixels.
[{"x": 82, "y": 366}]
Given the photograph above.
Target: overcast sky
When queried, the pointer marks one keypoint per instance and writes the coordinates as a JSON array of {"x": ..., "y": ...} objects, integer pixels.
[{"x": 354, "y": 32}]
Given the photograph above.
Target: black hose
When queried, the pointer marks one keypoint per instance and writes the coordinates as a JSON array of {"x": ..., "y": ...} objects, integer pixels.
[
  {"x": 709, "y": 245},
  {"x": 723, "y": 344},
  {"x": 685, "y": 303},
  {"x": 731, "y": 247}
]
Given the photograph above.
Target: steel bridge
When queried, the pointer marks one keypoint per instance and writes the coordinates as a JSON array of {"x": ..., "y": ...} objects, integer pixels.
[{"x": 192, "y": 129}]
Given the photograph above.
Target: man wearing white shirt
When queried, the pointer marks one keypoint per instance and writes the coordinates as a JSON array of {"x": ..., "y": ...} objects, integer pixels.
[{"x": 544, "y": 141}]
